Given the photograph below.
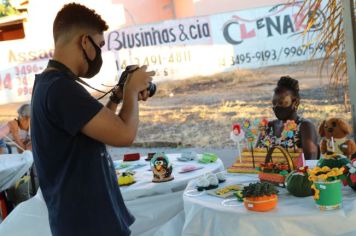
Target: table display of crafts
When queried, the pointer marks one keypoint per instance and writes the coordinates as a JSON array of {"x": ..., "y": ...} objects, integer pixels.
[{"x": 281, "y": 164}]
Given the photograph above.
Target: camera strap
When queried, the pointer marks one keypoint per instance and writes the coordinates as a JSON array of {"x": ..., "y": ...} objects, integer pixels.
[{"x": 61, "y": 67}]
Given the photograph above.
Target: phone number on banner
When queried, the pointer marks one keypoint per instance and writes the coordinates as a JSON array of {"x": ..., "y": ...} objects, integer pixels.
[
  {"x": 20, "y": 78},
  {"x": 273, "y": 55}
]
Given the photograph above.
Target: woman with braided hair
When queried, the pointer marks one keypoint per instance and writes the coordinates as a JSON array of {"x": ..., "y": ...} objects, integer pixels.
[{"x": 285, "y": 102}]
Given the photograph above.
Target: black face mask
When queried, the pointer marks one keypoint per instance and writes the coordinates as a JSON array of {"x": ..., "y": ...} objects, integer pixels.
[
  {"x": 95, "y": 64},
  {"x": 284, "y": 113}
]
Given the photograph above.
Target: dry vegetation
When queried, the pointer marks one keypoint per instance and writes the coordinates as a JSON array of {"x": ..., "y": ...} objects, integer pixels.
[{"x": 199, "y": 111}]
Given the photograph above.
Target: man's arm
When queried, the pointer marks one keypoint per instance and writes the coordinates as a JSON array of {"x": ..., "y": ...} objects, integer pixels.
[{"x": 120, "y": 130}]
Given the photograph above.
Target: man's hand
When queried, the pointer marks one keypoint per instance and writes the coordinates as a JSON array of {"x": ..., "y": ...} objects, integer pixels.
[
  {"x": 142, "y": 96},
  {"x": 138, "y": 81}
]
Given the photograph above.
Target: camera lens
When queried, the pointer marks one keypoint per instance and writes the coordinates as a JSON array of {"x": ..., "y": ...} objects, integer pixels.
[{"x": 151, "y": 89}]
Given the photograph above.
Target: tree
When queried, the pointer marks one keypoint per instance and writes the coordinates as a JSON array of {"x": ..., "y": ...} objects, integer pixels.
[
  {"x": 332, "y": 35},
  {"x": 6, "y": 9}
]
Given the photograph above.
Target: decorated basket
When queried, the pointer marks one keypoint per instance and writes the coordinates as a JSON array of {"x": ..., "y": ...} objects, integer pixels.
[{"x": 276, "y": 173}]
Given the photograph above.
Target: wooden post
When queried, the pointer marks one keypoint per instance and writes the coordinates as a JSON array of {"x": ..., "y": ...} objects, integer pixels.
[{"x": 350, "y": 48}]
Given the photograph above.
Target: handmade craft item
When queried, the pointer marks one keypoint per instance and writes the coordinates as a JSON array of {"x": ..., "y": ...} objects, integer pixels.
[
  {"x": 149, "y": 156},
  {"x": 246, "y": 161},
  {"x": 334, "y": 132},
  {"x": 237, "y": 135},
  {"x": 276, "y": 172},
  {"x": 161, "y": 168},
  {"x": 126, "y": 178},
  {"x": 190, "y": 168},
  {"x": 132, "y": 157},
  {"x": 226, "y": 191},
  {"x": 208, "y": 158},
  {"x": 187, "y": 156},
  {"x": 260, "y": 196},
  {"x": 327, "y": 186},
  {"x": 298, "y": 183}
]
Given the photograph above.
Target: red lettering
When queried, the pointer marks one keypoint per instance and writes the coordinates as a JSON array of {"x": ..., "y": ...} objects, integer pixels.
[
  {"x": 7, "y": 81},
  {"x": 245, "y": 34},
  {"x": 299, "y": 19}
]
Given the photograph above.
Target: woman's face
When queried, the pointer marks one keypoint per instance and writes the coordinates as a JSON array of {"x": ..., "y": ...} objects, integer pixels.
[
  {"x": 284, "y": 105},
  {"x": 283, "y": 99}
]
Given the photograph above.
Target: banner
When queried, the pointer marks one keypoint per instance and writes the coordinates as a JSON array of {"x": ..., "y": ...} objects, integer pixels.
[
  {"x": 266, "y": 36},
  {"x": 252, "y": 38}
]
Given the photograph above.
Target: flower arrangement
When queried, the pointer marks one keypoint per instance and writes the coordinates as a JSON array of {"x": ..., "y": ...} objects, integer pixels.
[{"x": 327, "y": 186}]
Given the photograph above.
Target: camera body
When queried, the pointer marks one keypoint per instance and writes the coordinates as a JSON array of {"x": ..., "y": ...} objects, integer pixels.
[{"x": 130, "y": 69}]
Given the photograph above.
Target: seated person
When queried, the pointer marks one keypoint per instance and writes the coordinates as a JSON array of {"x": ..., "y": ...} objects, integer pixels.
[
  {"x": 285, "y": 104},
  {"x": 18, "y": 130}
]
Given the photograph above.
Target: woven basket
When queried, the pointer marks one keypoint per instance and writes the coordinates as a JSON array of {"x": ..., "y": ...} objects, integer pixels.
[{"x": 272, "y": 177}]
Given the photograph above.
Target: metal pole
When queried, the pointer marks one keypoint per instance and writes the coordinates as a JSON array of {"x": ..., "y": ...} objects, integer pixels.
[{"x": 350, "y": 48}]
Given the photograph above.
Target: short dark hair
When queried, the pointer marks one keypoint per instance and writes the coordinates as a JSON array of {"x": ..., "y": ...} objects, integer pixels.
[
  {"x": 77, "y": 16},
  {"x": 288, "y": 83}
]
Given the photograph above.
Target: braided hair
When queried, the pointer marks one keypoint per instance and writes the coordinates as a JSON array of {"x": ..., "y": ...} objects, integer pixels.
[{"x": 288, "y": 83}]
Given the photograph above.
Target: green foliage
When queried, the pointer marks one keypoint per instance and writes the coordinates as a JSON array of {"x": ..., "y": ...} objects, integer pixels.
[
  {"x": 259, "y": 189},
  {"x": 6, "y": 9}
]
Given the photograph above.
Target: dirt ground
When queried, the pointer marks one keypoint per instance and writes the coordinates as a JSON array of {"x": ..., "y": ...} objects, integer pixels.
[{"x": 199, "y": 111}]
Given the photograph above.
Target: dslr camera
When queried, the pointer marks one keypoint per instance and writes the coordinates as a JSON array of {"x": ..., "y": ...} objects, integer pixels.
[{"x": 130, "y": 69}]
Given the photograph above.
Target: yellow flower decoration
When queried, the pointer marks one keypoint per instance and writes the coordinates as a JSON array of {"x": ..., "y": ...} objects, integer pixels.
[
  {"x": 322, "y": 177},
  {"x": 322, "y": 174},
  {"x": 332, "y": 173},
  {"x": 313, "y": 178},
  {"x": 316, "y": 192}
]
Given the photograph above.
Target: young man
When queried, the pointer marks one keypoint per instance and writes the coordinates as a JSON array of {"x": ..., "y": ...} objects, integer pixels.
[{"x": 70, "y": 128}]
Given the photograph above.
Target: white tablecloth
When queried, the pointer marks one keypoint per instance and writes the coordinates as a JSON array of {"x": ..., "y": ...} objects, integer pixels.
[
  {"x": 145, "y": 187},
  {"x": 158, "y": 207},
  {"x": 13, "y": 167},
  {"x": 206, "y": 215}
]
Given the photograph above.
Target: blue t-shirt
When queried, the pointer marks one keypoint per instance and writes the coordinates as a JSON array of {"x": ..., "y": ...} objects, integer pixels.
[{"x": 76, "y": 173}]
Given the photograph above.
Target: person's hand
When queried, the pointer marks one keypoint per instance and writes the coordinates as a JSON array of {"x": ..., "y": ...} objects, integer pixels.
[
  {"x": 139, "y": 80},
  {"x": 119, "y": 93},
  {"x": 143, "y": 95}
]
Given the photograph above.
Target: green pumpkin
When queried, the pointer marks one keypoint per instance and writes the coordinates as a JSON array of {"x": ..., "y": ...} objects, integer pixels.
[{"x": 298, "y": 184}]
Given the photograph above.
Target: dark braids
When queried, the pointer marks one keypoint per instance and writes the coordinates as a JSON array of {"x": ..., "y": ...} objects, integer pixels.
[{"x": 288, "y": 83}]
